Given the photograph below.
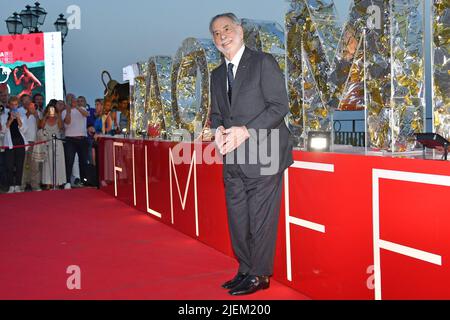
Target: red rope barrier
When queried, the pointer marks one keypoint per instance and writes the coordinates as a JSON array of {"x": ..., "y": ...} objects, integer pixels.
[{"x": 25, "y": 145}]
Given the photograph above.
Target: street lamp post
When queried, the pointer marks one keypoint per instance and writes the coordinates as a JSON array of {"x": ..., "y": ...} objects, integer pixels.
[
  {"x": 41, "y": 13},
  {"x": 14, "y": 24},
  {"x": 62, "y": 26},
  {"x": 29, "y": 19}
]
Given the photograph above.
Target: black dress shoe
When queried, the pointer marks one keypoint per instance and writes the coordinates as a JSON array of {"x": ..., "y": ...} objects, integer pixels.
[
  {"x": 250, "y": 285},
  {"x": 235, "y": 281}
]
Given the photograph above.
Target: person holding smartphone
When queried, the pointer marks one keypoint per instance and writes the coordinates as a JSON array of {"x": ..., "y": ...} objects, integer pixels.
[
  {"x": 75, "y": 119},
  {"x": 14, "y": 129},
  {"x": 52, "y": 124}
]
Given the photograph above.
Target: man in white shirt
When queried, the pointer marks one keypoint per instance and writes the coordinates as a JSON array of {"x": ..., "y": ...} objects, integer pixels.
[
  {"x": 75, "y": 120},
  {"x": 38, "y": 100},
  {"x": 31, "y": 169}
]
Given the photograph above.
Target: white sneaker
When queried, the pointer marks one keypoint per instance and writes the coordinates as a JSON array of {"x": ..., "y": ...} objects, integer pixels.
[
  {"x": 11, "y": 189},
  {"x": 18, "y": 189},
  {"x": 67, "y": 186}
]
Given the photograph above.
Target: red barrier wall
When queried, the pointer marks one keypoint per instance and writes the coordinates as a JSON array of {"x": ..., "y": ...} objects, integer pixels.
[{"x": 351, "y": 226}]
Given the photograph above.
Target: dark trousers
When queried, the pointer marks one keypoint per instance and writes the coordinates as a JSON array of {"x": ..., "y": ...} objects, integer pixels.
[
  {"x": 253, "y": 212},
  {"x": 74, "y": 146},
  {"x": 14, "y": 159},
  {"x": 3, "y": 171}
]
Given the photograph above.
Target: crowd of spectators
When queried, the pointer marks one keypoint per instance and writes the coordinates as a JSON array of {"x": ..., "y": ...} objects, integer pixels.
[{"x": 28, "y": 129}]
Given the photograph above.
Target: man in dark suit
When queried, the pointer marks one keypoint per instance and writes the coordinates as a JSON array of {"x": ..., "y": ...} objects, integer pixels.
[{"x": 248, "y": 105}]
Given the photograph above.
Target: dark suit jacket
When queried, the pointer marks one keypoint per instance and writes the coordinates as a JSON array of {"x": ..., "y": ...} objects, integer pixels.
[{"x": 259, "y": 102}]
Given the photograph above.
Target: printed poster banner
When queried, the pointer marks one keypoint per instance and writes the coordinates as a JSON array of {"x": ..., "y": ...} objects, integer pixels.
[{"x": 32, "y": 63}]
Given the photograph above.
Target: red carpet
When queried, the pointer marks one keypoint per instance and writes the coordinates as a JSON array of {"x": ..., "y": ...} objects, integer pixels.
[{"x": 122, "y": 253}]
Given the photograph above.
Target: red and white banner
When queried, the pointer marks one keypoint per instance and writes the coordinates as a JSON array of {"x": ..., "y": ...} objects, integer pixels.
[{"x": 32, "y": 63}]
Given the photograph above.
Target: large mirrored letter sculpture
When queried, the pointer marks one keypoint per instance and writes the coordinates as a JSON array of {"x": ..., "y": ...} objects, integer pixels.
[
  {"x": 294, "y": 70},
  {"x": 265, "y": 36},
  {"x": 408, "y": 78},
  {"x": 349, "y": 93},
  {"x": 324, "y": 63},
  {"x": 358, "y": 71},
  {"x": 376, "y": 63},
  {"x": 132, "y": 115},
  {"x": 269, "y": 36},
  {"x": 441, "y": 67},
  {"x": 139, "y": 123},
  {"x": 158, "y": 97},
  {"x": 346, "y": 77},
  {"x": 377, "y": 55},
  {"x": 191, "y": 68},
  {"x": 312, "y": 36}
]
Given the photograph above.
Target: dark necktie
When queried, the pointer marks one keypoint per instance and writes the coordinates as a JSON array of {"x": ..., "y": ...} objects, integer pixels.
[{"x": 230, "y": 77}]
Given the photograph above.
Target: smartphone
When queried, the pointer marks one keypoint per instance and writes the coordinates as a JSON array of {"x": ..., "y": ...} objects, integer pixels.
[{"x": 51, "y": 111}]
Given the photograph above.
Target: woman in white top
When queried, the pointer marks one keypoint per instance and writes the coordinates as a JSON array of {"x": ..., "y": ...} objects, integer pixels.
[
  {"x": 52, "y": 124},
  {"x": 31, "y": 169}
]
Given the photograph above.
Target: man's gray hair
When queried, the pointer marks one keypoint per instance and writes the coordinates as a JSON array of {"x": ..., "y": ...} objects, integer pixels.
[{"x": 229, "y": 15}]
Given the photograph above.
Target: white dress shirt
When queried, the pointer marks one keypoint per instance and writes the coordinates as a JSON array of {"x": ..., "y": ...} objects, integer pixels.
[
  {"x": 30, "y": 134},
  {"x": 235, "y": 61},
  {"x": 77, "y": 126}
]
